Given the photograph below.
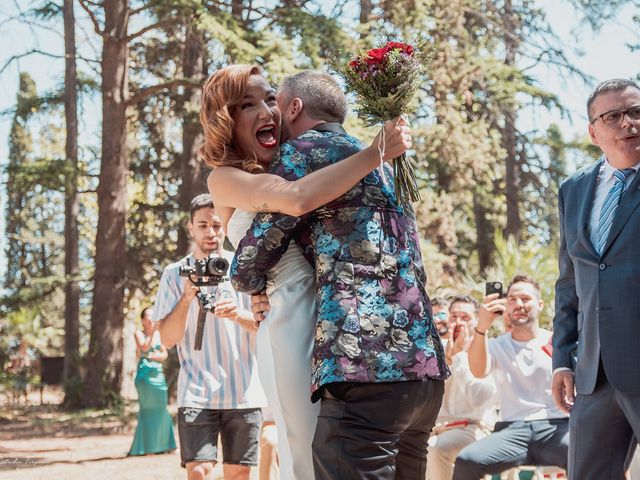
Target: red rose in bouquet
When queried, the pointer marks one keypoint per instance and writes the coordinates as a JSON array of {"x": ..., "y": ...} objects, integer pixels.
[
  {"x": 376, "y": 56},
  {"x": 385, "y": 80},
  {"x": 404, "y": 47}
]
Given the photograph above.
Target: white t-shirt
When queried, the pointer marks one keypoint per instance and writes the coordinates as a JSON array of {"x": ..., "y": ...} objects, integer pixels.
[
  {"x": 222, "y": 375},
  {"x": 522, "y": 372}
]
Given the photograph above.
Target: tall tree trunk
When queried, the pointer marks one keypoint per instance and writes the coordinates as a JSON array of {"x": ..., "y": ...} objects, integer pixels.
[
  {"x": 509, "y": 139},
  {"x": 20, "y": 147},
  {"x": 484, "y": 232},
  {"x": 512, "y": 177},
  {"x": 365, "y": 10},
  {"x": 365, "y": 16},
  {"x": 71, "y": 210},
  {"x": 192, "y": 172},
  {"x": 104, "y": 378},
  {"x": 236, "y": 11},
  {"x": 289, "y": 5}
]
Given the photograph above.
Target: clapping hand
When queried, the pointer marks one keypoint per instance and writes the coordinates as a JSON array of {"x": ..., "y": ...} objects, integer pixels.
[{"x": 459, "y": 337}]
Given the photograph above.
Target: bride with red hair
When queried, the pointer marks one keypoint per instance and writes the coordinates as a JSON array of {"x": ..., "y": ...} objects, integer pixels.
[{"x": 242, "y": 127}]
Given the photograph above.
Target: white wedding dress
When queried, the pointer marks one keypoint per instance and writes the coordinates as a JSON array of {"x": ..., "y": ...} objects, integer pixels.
[{"x": 284, "y": 347}]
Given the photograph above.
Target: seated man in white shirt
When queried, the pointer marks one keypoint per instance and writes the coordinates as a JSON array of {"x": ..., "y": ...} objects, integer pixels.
[
  {"x": 468, "y": 407},
  {"x": 533, "y": 431}
]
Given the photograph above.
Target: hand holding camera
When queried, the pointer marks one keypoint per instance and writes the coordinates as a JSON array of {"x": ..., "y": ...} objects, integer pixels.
[
  {"x": 225, "y": 305},
  {"x": 189, "y": 290},
  {"x": 208, "y": 271}
]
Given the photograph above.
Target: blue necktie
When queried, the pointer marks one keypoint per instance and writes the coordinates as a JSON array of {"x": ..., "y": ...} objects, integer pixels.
[{"x": 610, "y": 205}]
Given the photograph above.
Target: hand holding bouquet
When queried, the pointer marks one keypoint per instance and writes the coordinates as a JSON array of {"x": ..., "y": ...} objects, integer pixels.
[{"x": 385, "y": 81}]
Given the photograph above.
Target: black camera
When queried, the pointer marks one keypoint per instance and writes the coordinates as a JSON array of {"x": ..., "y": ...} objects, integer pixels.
[{"x": 206, "y": 271}]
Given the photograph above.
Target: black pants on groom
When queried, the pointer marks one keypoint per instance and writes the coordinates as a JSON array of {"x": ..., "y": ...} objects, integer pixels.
[{"x": 375, "y": 430}]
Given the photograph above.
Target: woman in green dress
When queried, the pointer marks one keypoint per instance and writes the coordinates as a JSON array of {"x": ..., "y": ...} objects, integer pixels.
[{"x": 154, "y": 433}]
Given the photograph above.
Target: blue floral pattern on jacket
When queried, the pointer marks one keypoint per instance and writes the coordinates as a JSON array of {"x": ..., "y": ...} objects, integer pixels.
[{"x": 374, "y": 319}]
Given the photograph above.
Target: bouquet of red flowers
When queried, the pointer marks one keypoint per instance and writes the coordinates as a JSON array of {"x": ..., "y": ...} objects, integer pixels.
[{"x": 385, "y": 81}]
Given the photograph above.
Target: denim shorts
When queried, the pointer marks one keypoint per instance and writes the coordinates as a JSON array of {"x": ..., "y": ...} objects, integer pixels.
[{"x": 238, "y": 429}]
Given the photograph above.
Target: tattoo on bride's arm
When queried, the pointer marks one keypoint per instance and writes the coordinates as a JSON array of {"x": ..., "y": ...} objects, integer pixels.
[{"x": 265, "y": 208}]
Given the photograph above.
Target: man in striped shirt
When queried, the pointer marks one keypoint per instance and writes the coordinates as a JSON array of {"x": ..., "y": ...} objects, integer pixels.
[{"x": 219, "y": 393}]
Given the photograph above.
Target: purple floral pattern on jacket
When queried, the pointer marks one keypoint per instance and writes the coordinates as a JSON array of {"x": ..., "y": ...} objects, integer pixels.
[{"x": 374, "y": 319}]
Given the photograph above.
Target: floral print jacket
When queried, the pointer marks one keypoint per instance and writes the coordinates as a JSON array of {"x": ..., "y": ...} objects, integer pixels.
[{"x": 374, "y": 319}]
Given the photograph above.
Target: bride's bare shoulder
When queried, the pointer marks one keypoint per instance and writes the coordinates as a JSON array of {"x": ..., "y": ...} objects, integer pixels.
[{"x": 223, "y": 174}]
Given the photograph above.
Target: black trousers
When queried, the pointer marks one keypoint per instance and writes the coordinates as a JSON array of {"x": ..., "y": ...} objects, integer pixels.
[{"x": 375, "y": 430}]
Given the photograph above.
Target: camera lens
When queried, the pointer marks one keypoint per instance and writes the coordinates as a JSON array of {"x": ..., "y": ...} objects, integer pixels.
[{"x": 217, "y": 266}]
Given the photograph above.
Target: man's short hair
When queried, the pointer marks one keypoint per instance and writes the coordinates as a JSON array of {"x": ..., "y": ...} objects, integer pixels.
[
  {"x": 464, "y": 299},
  {"x": 321, "y": 95},
  {"x": 198, "y": 202},
  {"x": 440, "y": 302},
  {"x": 609, "y": 86},
  {"x": 521, "y": 278}
]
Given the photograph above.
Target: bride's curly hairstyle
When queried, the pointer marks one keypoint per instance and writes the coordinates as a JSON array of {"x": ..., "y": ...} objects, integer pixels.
[{"x": 221, "y": 92}]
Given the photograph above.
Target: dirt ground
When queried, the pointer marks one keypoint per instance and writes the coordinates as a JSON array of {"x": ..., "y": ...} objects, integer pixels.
[{"x": 44, "y": 442}]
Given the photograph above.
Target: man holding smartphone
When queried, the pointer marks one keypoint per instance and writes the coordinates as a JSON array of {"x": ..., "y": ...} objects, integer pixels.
[
  {"x": 468, "y": 409},
  {"x": 533, "y": 431}
]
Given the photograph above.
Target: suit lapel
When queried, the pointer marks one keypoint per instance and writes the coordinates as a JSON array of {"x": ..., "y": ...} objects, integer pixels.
[
  {"x": 585, "y": 188},
  {"x": 628, "y": 203}
]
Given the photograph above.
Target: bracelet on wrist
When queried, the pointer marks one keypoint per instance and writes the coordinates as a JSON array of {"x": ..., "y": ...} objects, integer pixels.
[{"x": 479, "y": 332}]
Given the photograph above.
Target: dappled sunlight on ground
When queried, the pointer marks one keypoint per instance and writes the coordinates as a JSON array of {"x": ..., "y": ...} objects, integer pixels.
[{"x": 44, "y": 442}]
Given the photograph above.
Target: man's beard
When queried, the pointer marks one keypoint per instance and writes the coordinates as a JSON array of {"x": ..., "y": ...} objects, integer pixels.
[
  {"x": 522, "y": 321},
  {"x": 209, "y": 251}
]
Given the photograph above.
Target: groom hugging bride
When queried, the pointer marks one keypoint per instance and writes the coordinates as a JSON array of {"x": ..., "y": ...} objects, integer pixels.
[{"x": 348, "y": 353}]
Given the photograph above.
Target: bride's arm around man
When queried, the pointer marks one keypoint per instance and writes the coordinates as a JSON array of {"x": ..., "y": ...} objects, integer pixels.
[{"x": 378, "y": 363}]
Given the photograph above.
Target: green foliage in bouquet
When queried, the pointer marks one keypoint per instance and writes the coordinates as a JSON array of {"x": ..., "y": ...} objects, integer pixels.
[{"x": 385, "y": 80}]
